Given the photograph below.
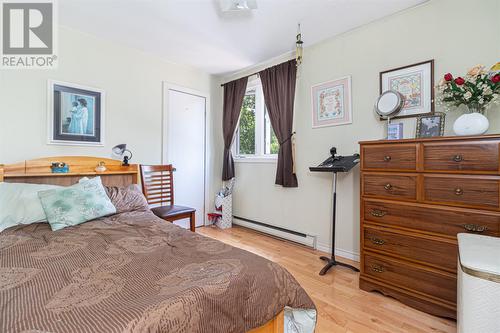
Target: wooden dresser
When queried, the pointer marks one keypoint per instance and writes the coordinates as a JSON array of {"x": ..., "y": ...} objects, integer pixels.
[{"x": 416, "y": 195}]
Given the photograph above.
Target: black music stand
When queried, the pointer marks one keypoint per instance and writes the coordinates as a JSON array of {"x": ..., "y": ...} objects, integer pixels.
[{"x": 335, "y": 164}]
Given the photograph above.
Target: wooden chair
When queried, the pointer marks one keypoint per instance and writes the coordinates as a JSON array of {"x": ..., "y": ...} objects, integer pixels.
[{"x": 158, "y": 188}]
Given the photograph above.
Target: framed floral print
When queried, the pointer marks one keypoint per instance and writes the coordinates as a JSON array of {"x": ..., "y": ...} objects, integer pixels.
[
  {"x": 75, "y": 114},
  {"x": 415, "y": 82},
  {"x": 332, "y": 103}
]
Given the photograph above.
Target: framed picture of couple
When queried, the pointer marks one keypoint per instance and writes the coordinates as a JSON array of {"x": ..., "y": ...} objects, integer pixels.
[{"x": 75, "y": 114}]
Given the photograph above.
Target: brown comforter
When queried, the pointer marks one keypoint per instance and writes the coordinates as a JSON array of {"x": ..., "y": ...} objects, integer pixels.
[{"x": 133, "y": 272}]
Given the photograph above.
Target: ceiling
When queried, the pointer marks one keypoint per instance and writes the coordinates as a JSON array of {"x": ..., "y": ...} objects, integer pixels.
[{"x": 197, "y": 33}]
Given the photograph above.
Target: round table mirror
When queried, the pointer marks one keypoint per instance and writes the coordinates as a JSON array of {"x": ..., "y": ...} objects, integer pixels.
[{"x": 388, "y": 105}]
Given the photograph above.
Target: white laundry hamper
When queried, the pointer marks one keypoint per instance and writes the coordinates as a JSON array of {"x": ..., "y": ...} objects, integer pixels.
[
  {"x": 478, "y": 304},
  {"x": 226, "y": 221}
]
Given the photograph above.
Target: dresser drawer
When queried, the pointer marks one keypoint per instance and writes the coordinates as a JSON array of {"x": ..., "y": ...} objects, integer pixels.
[
  {"x": 475, "y": 156},
  {"x": 462, "y": 191},
  {"x": 445, "y": 221},
  {"x": 440, "y": 254},
  {"x": 390, "y": 157},
  {"x": 403, "y": 187},
  {"x": 415, "y": 277}
]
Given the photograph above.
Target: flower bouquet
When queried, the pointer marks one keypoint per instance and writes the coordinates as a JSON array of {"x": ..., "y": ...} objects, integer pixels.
[{"x": 477, "y": 90}]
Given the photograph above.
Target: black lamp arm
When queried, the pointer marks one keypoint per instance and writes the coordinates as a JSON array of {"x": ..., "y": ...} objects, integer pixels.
[{"x": 130, "y": 157}]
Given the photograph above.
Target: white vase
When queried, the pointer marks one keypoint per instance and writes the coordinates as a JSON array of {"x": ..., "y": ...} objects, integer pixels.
[{"x": 471, "y": 124}]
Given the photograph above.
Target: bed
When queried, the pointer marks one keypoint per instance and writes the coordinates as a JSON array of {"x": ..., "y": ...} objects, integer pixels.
[{"x": 133, "y": 272}]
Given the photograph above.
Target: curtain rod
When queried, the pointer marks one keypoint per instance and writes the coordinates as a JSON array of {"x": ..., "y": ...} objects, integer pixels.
[{"x": 256, "y": 73}]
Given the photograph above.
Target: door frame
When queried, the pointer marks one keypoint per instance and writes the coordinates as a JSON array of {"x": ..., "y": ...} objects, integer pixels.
[{"x": 165, "y": 134}]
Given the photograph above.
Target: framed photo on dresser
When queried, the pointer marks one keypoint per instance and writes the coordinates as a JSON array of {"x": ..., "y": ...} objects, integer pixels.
[
  {"x": 430, "y": 126},
  {"x": 75, "y": 114},
  {"x": 416, "y": 83}
]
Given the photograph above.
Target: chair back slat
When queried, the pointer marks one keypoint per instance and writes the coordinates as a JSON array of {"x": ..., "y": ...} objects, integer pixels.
[{"x": 158, "y": 184}]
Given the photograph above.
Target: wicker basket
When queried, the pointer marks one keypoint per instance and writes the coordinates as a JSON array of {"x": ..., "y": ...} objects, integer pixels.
[{"x": 227, "y": 213}]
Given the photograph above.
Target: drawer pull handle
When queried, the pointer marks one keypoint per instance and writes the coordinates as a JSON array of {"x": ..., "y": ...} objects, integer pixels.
[
  {"x": 378, "y": 213},
  {"x": 387, "y": 158},
  {"x": 459, "y": 191},
  {"x": 458, "y": 158},
  {"x": 378, "y": 268},
  {"x": 388, "y": 187},
  {"x": 475, "y": 227},
  {"x": 378, "y": 241}
]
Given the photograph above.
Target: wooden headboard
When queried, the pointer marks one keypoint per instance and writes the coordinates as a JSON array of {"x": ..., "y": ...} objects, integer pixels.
[{"x": 38, "y": 171}]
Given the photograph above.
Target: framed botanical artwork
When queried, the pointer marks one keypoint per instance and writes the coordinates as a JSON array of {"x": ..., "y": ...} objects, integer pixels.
[
  {"x": 415, "y": 82},
  {"x": 75, "y": 114},
  {"x": 430, "y": 126},
  {"x": 332, "y": 103}
]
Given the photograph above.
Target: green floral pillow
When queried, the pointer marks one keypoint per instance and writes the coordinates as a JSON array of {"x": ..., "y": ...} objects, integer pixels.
[{"x": 76, "y": 204}]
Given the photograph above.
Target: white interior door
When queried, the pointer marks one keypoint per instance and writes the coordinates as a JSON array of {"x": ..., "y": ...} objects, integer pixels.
[{"x": 186, "y": 150}]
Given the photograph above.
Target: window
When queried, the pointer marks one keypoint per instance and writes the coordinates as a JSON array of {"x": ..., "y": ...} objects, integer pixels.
[
  {"x": 271, "y": 141},
  {"x": 255, "y": 136},
  {"x": 246, "y": 127}
]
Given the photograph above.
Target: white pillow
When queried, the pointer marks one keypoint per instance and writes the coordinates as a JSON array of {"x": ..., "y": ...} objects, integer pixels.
[{"x": 19, "y": 204}]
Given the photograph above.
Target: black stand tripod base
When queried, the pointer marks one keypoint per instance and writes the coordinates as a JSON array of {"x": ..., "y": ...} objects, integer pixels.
[
  {"x": 336, "y": 164},
  {"x": 332, "y": 262}
]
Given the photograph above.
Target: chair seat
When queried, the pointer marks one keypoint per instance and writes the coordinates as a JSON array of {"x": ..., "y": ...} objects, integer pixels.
[{"x": 171, "y": 211}]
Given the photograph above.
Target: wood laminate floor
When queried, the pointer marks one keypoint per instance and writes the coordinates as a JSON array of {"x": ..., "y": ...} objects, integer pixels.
[{"x": 342, "y": 306}]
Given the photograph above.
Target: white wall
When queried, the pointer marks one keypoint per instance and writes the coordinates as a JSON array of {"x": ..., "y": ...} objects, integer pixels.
[
  {"x": 133, "y": 84},
  {"x": 456, "y": 33}
]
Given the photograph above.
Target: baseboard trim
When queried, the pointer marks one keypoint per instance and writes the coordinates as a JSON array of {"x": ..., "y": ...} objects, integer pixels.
[{"x": 338, "y": 252}]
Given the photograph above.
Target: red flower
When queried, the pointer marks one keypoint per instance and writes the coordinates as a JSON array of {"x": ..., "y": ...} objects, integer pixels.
[
  {"x": 459, "y": 81},
  {"x": 495, "y": 78},
  {"x": 448, "y": 77}
]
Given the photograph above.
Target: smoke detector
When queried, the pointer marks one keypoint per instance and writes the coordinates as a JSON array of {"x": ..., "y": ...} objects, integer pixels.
[{"x": 237, "y": 5}]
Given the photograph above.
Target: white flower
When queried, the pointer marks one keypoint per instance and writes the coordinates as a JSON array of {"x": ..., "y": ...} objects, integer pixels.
[
  {"x": 468, "y": 95},
  {"x": 481, "y": 101},
  {"x": 476, "y": 70},
  {"x": 487, "y": 90}
]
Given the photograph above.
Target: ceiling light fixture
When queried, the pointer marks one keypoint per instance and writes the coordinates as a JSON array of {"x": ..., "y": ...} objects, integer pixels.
[
  {"x": 237, "y": 5},
  {"x": 299, "y": 47}
]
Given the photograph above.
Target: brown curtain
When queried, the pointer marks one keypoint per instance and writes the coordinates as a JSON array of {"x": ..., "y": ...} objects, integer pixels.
[
  {"x": 278, "y": 84},
  {"x": 234, "y": 92}
]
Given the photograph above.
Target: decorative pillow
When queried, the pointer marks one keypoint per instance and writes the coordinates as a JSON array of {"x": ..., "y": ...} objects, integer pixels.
[
  {"x": 127, "y": 199},
  {"x": 19, "y": 204},
  {"x": 76, "y": 204}
]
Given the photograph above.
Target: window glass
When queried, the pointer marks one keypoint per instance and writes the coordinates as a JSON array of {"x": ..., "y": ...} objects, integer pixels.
[
  {"x": 246, "y": 129},
  {"x": 255, "y": 136},
  {"x": 271, "y": 141}
]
